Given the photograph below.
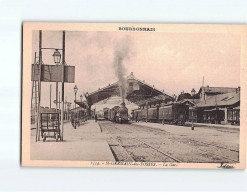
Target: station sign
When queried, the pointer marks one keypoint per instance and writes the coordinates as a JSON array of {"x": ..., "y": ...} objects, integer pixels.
[{"x": 53, "y": 73}]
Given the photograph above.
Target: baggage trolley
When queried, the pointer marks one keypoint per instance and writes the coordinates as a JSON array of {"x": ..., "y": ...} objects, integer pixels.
[{"x": 50, "y": 126}]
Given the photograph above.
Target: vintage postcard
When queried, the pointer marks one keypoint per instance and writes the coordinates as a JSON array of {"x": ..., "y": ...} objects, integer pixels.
[{"x": 134, "y": 95}]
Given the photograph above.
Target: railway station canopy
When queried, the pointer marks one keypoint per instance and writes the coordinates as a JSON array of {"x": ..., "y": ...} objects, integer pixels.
[{"x": 137, "y": 92}]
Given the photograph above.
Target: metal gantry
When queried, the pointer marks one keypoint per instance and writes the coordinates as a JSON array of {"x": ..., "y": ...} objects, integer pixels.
[{"x": 38, "y": 78}]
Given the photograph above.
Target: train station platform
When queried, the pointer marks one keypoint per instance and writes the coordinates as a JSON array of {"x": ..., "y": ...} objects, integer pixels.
[
  {"x": 204, "y": 134},
  {"x": 220, "y": 126},
  {"x": 188, "y": 124},
  {"x": 85, "y": 143}
]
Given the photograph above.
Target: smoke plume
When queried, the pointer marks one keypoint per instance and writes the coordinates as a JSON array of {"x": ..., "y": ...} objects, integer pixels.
[{"x": 121, "y": 55}]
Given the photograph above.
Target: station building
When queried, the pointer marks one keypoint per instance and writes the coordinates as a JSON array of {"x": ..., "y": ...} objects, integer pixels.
[{"x": 218, "y": 105}]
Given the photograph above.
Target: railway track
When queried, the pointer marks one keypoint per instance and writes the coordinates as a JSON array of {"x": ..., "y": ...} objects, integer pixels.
[
  {"x": 165, "y": 154},
  {"x": 211, "y": 150},
  {"x": 114, "y": 144},
  {"x": 201, "y": 143},
  {"x": 141, "y": 146},
  {"x": 193, "y": 140}
]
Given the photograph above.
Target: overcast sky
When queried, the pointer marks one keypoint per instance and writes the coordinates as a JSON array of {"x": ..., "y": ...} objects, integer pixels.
[{"x": 174, "y": 62}]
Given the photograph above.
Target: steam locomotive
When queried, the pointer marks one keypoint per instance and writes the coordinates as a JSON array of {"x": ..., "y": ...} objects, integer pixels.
[
  {"x": 170, "y": 114},
  {"x": 117, "y": 114}
]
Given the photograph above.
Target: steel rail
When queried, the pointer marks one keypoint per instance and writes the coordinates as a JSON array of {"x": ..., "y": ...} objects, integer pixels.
[
  {"x": 205, "y": 143},
  {"x": 118, "y": 143},
  {"x": 165, "y": 154},
  {"x": 189, "y": 139}
]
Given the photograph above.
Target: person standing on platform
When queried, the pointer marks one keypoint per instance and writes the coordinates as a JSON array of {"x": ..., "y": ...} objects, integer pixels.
[{"x": 95, "y": 117}]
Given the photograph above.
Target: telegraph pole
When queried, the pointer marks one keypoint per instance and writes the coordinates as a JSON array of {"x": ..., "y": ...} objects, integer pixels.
[
  {"x": 39, "y": 87},
  {"x": 63, "y": 64}
]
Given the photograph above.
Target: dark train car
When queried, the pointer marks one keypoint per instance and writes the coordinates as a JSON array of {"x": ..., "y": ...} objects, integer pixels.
[
  {"x": 166, "y": 113},
  {"x": 106, "y": 113},
  {"x": 109, "y": 114},
  {"x": 113, "y": 112},
  {"x": 174, "y": 114},
  {"x": 153, "y": 114},
  {"x": 144, "y": 114}
]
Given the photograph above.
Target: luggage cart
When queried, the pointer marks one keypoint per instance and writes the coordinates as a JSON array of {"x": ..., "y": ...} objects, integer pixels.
[{"x": 50, "y": 126}]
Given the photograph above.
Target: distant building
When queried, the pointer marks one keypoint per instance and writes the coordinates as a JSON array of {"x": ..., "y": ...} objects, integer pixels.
[{"x": 219, "y": 105}]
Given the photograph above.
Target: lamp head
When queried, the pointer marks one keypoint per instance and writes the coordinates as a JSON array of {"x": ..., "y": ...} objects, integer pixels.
[
  {"x": 57, "y": 57},
  {"x": 75, "y": 89}
]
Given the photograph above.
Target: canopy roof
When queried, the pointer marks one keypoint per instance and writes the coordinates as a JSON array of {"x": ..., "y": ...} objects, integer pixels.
[{"x": 137, "y": 92}]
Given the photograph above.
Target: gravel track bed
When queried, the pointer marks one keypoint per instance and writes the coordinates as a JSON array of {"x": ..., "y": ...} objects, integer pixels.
[{"x": 122, "y": 139}]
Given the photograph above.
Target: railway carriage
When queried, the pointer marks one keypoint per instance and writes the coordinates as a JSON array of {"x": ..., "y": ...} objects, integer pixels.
[
  {"x": 106, "y": 113},
  {"x": 113, "y": 113},
  {"x": 144, "y": 114},
  {"x": 153, "y": 114},
  {"x": 174, "y": 114},
  {"x": 166, "y": 113},
  {"x": 109, "y": 114},
  {"x": 171, "y": 114}
]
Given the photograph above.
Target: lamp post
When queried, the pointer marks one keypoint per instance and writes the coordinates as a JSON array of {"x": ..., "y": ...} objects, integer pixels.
[
  {"x": 57, "y": 59},
  {"x": 192, "y": 123},
  {"x": 75, "y": 91}
]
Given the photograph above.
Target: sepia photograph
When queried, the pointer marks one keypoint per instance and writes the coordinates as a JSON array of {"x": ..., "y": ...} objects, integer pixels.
[{"x": 134, "y": 95}]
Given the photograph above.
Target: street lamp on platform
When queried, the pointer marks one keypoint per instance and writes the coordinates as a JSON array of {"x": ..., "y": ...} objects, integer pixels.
[
  {"x": 193, "y": 91},
  {"x": 75, "y": 91}
]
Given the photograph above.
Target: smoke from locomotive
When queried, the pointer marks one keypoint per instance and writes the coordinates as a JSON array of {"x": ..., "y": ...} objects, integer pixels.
[{"x": 122, "y": 53}]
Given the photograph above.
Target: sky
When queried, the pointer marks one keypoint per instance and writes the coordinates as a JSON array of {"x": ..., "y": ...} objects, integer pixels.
[{"x": 172, "y": 62}]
